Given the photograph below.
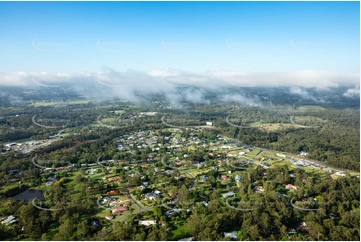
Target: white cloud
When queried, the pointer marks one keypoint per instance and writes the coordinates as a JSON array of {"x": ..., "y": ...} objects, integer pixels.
[
  {"x": 353, "y": 92},
  {"x": 164, "y": 79},
  {"x": 131, "y": 84}
]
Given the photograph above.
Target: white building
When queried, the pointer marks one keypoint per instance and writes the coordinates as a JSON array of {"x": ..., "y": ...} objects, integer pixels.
[
  {"x": 147, "y": 222},
  {"x": 228, "y": 194},
  {"x": 232, "y": 235}
]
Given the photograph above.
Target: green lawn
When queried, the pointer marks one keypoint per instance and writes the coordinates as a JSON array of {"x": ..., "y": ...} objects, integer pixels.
[
  {"x": 96, "y": 176},
  {"x": 4, "y": 188},
  {"x": 254, "y": 152},
  {"x": 180, "y": 232}
]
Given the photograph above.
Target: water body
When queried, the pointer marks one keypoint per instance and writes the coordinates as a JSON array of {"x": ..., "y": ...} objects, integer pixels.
[{"x": 29, "y": 195}]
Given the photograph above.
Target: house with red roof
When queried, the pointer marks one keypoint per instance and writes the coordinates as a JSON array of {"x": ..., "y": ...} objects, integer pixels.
[
  {"x": 119, "y": 210},
  {"x": 224, "y": 177},
  {"x": 116, "y": 178},
  {"x": 290, "y": 186},
  {"x": 112, "y": 192}
]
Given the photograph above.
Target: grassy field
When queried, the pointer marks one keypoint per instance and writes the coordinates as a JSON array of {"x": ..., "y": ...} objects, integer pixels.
[
  {"x": 273, "y": 127},
  {"x": 195, "y": 172},
  {"x": 271, "y": 154},
  {"x": 108, "y": 120},
  {"x": 181, "y": 231},
  {"x": 75, "y": 101},
  {"x": 4, "y": 188},
  {"x": 254, "y": 152},
  {"x": 118, "y": 111},
  {"x": 96, "y": 176}
]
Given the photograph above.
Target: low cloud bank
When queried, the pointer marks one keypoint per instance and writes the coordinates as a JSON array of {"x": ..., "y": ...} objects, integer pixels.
[{"x": 112, "y": 84}]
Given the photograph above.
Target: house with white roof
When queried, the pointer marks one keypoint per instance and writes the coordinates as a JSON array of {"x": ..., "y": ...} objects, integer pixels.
[
  {"x": 232, "y": 235},
  {"x": 147, "y": 222},
  {"x": 228, "y": 194}
]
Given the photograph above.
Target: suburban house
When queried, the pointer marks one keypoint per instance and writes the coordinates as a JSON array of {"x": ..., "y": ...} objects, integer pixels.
[
  {"x": 280, "y": 195},
  {"x": 340, "y": 173},
  {"x": 316, "y": 166},
  {"x": 281, "y": 155},
  {"x": 115, "y": 204},
  {"x": 52, "y": 179},
  {"x": 228, "y": 194},
  {"x": 303, "y": 153},
  {"x": 291, "y": 232},
  {"x": 204, "y": 203},
  {"x": 119, "y": 210},
  {"x": 109, "y": 217},
  {"x": 147, "y": 222},
  {"x": 144, "y": 166},
  {"x": 187, "y": 239},
  {"x": 232, "y": 235},
  {"x": 203, "y": 178},
  {"x": 224, "y": 177},
  {"x": 112, "y": 192},
  {"x": 157, "y": 192},
  {"x": 265, "y": 165},
  {"x": 116, "y": 178},
  {"x": 151, "y": 196},
  {"x": 107, "y": 199},
  {"x": 259, "y": 189},
  {"x": 174, "y": 210},
  {"x": 290, "y": 186},
  {"x": 238, "y": 178},
  {"x": 9, "y": 220},
  {"x": 168, "y": 172},
  {"x": 328, "y": 169}
]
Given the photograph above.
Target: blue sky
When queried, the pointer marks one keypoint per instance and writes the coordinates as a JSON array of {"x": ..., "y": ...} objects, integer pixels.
[
  {"x": 310, "y": 41},
  {"x": 192, "y": 36}
]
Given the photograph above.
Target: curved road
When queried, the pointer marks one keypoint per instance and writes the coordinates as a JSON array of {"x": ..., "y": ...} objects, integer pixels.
[{"x": 238, "y": 126}]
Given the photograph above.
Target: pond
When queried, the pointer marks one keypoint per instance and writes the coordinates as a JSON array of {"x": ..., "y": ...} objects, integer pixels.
[{"x": 29, "y": 195}]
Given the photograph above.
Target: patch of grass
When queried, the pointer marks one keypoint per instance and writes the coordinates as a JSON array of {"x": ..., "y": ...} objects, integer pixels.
[
  {"x": 273, "y": 127},
  {"x": 180, "y": 232}
]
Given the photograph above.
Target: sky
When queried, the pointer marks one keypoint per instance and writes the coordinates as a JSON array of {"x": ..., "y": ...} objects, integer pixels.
[{"x": 242, "y": 43}]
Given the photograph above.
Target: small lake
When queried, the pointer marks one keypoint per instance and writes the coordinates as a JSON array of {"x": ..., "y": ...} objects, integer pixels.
[{"x": 29, "y": 195}]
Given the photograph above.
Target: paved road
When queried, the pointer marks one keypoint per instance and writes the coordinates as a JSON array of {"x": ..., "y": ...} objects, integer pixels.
[
  {"x": 142, "y": 209},
  {"x": 238, "y": 126}
]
